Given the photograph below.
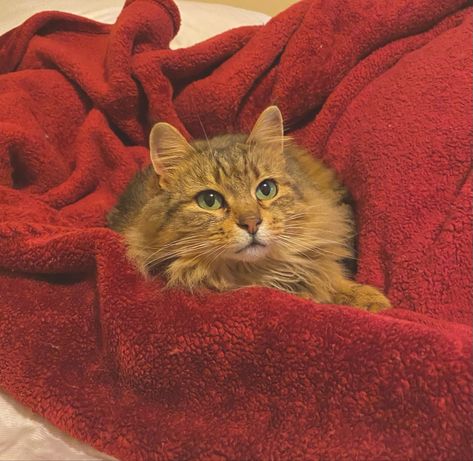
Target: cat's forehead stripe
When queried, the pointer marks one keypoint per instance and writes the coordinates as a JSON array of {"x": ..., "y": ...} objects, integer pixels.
[
  {"x": 227, "y": 163},
  {"x": 223, "y": 165}
]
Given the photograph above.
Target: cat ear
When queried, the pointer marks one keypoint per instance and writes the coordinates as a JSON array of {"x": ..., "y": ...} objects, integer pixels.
[
  {"x": 268, "y": 130},
  {"x": 167, "y": 148}
]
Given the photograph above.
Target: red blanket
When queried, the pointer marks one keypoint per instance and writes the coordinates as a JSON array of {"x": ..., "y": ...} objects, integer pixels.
[{"x": 381, "y": 90}]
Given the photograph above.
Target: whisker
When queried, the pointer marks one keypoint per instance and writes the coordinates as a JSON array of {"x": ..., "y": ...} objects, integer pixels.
[
  {"x": 205, "y": 133},
  {"x": 310, "y": 247}
]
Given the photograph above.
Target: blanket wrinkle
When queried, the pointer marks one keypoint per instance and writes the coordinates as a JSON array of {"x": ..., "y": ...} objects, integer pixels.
[{"x": 381, "y": 91}]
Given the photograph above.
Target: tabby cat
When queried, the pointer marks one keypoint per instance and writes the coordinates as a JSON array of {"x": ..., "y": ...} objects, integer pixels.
[{"x": 239, "y": 210}]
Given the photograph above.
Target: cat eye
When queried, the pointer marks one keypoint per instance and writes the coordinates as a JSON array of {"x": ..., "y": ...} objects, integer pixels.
[
  {"x": 266, "y": 190},
  {"x": 209, "y": 200}
]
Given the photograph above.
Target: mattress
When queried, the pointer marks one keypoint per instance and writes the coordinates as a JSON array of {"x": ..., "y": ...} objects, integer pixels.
[{"x": 23, "y": 435}]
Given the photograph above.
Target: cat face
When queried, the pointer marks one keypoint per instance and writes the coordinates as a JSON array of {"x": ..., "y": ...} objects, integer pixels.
[{"x": 229, "y": 198}]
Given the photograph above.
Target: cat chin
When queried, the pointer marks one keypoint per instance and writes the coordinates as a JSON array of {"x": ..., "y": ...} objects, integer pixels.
[{"x": 251, "y": 253}]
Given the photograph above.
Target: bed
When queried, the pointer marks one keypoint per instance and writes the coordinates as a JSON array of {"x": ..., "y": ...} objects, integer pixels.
[{"x": 25, "y": 436}]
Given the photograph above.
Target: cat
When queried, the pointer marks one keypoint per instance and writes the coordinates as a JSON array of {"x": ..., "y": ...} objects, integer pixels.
[{"x": 242, "y": 210}]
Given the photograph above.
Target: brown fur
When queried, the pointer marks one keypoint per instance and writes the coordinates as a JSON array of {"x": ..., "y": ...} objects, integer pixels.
[{"x": 306, "y": 227}]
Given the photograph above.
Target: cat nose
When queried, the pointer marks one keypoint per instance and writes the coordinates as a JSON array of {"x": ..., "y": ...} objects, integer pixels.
[{"x": 250, "y": 224}]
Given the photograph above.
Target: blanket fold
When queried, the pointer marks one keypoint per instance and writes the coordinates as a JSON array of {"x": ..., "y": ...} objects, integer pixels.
[{"x": 381, "y": 91}]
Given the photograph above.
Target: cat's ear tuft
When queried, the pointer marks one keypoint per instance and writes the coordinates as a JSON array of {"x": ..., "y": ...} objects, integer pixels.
[
  {"x": 167, "y": 148},
  {"x": 268, "y": 130}
]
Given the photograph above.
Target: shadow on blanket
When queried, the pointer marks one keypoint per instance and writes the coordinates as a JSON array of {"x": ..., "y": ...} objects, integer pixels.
[{"x": 381, "y": 90}]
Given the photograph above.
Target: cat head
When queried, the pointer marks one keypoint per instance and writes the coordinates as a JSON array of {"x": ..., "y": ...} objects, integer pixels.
[{"x": 230, "y": 198}]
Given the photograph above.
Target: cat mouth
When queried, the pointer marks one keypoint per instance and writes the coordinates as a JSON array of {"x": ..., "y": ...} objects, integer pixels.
[{"x": 253, "y": 245}]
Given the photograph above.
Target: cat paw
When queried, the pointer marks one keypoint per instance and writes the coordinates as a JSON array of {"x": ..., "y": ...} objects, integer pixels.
[
  {"x": 363, "y": 296},
  {"x": 369, "y": 298}
]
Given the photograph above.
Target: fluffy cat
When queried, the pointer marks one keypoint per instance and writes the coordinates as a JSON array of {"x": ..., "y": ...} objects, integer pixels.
[{"x": 240, "y": 210}]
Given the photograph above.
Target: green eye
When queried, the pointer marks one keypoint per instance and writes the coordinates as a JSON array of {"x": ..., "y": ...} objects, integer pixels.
[
  {"x": 266, "y": 190},
  {"x": 209, "y": 200}
]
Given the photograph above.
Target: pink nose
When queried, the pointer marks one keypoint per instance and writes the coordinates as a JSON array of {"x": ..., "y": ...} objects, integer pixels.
[{"x": 250, "y": 224}]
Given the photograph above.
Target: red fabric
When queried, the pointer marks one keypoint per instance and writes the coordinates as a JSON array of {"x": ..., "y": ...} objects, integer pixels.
[{"x": 381, "y": 90}]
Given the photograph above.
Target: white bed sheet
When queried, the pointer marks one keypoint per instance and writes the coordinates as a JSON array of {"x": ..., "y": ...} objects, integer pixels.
[{"x": 25, "y": 436}]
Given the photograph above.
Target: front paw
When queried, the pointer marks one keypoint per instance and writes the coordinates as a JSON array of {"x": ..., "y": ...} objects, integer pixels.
[
  {"x": 364, "y": 296},
  {"x": 370, "y": 298}
]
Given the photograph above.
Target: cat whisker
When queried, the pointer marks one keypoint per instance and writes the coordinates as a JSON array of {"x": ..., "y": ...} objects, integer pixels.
[
  {"x": 160, "y": 258},
  {"x": 310, "y": 247},
  {"x": 218, "y": 253},
  {"x": 189, "y": 242},
  {"x": 301, "y": 232},
  {"x": 312, "y": 240},
  {"x": 205, "y": 133},
  {"x": 294, "y": 242}
]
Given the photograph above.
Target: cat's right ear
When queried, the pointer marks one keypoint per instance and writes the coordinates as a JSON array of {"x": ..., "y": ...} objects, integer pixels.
[
  {"x": 268, "y": 131},
  {"x": 167, "y": 149}
]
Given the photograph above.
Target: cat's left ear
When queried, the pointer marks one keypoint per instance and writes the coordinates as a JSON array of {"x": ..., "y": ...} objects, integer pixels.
[
  {"x": 268, "y": 130},
  {"x": 167, "y": 149}
]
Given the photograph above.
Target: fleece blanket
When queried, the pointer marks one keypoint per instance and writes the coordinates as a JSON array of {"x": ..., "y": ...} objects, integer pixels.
[{"x": 381, "y": 91}]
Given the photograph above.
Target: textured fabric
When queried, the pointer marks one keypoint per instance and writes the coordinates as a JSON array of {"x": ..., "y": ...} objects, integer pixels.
[{"x": 382, "y": 92}]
